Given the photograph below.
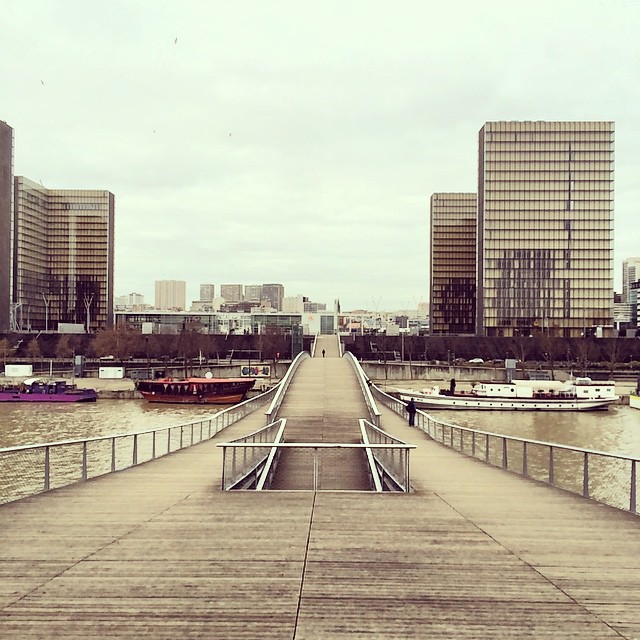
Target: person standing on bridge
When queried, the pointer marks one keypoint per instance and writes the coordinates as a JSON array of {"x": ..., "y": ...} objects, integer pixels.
[
  {"x": 323, "y": 353},
  {"x": 411, "y": 410}
]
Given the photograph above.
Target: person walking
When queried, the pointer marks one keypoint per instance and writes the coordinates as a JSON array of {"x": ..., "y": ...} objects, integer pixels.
[
  {"x": 411, "y": 410},
  {"x": 323, "y": 353}
]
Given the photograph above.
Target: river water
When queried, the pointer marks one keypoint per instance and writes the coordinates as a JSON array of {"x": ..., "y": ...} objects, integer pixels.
[
  {"x": 616, "y": 430},
  {"x": 27, "y": 423}
]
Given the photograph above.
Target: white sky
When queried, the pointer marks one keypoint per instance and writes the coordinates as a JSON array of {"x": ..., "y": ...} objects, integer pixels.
[{"x": 299, "y": 142}]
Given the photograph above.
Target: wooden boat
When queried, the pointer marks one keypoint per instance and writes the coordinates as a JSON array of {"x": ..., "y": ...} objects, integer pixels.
[
  {"x": 195, "y": 390},
  {"x": 580, "y": 394},
  {"x": 39, "y": 390}
]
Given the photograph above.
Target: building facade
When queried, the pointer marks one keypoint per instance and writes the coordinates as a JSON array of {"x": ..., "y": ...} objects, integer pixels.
[
  {"x": 273, "y": 293},
  {"x": 630, "y": 273},
  {"x": 453, "y": 263},
  {"x": 170, "y": 294},
  {"x": 545, "y": 228},
  {"x": 253, "y": 293},
  {"x": 207, "y": 292},
  {"x": 231, "y": 292},
  {"x": 6, "y": 223},
  {"x": 63, "y": 257}
]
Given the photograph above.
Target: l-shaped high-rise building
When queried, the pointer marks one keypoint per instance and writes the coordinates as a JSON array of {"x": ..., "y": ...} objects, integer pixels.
[
  {"x": 544, "y": 237},
  {"x": 6, "y": 222},
  {"x": 545, "y": 228},
  {"x": 63, "y": 257},
  {"x": 56, "y": 252}
]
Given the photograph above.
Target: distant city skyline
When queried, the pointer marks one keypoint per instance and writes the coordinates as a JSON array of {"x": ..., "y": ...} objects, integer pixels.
[{"x": 240, "y": 147}]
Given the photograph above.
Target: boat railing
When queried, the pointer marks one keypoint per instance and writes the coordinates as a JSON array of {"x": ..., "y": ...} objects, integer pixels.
[
  {"x": 365, "y": 385},
  {"x": 31, "y": 469},
  {"x": 609, "y": 478},
  {"x": 281, "y": 389}
]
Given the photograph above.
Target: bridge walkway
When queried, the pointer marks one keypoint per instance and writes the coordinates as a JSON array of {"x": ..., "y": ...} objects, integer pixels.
[
  {"x": 158, "y": 551},
  {"x": 323, "y": 404}
]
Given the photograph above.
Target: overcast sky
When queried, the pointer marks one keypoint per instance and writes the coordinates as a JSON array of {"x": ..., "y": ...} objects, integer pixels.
[{"x": 299, "y": 142}]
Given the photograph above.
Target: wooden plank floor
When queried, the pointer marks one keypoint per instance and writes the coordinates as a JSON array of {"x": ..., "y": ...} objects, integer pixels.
[{"x": 160, "y": 552}]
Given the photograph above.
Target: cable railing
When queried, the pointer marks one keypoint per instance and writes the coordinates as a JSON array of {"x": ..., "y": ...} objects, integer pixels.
[
  {"x": 609, "y": 478},
  {"x": 31, "y": 469}
]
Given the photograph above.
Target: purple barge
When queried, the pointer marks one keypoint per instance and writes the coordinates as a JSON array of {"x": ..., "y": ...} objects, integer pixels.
[{"x": 37, "y": 390}]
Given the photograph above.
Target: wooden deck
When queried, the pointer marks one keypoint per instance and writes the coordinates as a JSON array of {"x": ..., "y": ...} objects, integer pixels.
[{"x": 160, "y": 552}]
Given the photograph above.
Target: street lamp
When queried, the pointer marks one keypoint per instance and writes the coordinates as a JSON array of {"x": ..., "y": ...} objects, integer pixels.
[{"x": 46, "y": 312}]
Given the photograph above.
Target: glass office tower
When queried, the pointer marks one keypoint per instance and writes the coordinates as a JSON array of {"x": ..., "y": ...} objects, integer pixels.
[
  {"x": 6, "y": 223},
  {"x": 545, "y": 228},
  {"x": 453, "y": 263},
  {"x": 63, "y": 263}
]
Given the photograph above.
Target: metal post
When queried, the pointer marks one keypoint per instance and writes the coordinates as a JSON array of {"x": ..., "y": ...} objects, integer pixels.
[
  {"x": 224, "y": 464},
  {"x": 135, "y": 450},
  {"x": 169, "y": 440},
  {"x": 84, "y": 460},
  {"x": 551, "y": 469},
  {"x": 632, "y": 500},
  {"x": 153, "y": 448},
  {"x": 525, "y": 470},
  {"x": 585, "y": 476},
  {"x": 486, "y": 447},
  {"x": 113, "y": 454},
  {"x": 181, "y": 435},
  {"x": 407, "y": 487},
  {"x": 505, "y": 462},
  {"x": 473, "y": 444},
  {"x": 315, "y": 468},
  {"x": 46, "y": 469}
]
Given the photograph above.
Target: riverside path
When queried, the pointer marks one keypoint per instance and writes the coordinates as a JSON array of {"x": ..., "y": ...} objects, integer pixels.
[{"x": 159, "y": 551}]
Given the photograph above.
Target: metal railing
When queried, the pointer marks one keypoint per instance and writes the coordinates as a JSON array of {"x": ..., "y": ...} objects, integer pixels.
[
  {"x": 365, "y": 385},
  {"x": 32, "y": 469},
  {"x": 281, "y": 389},
  {"x": 252, "y": 466},
  {"x": 251, "y": 475},
  {"x": 391, "y": 464},
  {"x": 609, "y": 478}
]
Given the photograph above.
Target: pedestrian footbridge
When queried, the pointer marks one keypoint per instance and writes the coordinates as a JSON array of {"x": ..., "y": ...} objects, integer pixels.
[{"x": 320, "y": 549}]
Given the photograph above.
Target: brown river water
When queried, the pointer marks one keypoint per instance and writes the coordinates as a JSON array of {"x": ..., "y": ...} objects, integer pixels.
[
  {"x": 26, "y": 423},
  {"x": 616, "y": 430}
]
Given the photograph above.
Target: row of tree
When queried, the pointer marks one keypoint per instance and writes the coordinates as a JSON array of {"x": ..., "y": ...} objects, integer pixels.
[
  {"x": 123, "y": 343},
  {"x": 607, "y": 352}
]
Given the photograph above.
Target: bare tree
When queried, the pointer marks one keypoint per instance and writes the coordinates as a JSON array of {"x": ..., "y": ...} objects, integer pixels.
[
  {"x": 63, "y": 347},
  {"x": 5, "y": 349},
  {"x": 33, "y": 349}
]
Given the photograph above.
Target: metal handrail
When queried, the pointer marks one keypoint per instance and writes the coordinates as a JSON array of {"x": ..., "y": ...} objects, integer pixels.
[
  {"x": 395, "y": 472},
  {"x": 247, "y": 472},
  {"x": 271, "y": 414},
  {"x": 315, "y": 446},
  {"x": 577, "y": 469},
  {"x": 365, "y": 385},
  {"x": 371, "y": 461},
  {"x": 29, "y": 469}
]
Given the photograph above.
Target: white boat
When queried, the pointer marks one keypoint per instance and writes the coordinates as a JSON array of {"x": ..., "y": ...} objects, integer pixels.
[{"x": 579, "y": 394}]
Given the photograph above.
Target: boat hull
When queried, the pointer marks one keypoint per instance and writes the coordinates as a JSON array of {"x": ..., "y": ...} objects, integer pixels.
[
  {"x": 150, "y": 396},
  {"x": 195, "y": 390},
  {"x": 48, "y": 398},
  {"x": 509, "y": 404}
]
